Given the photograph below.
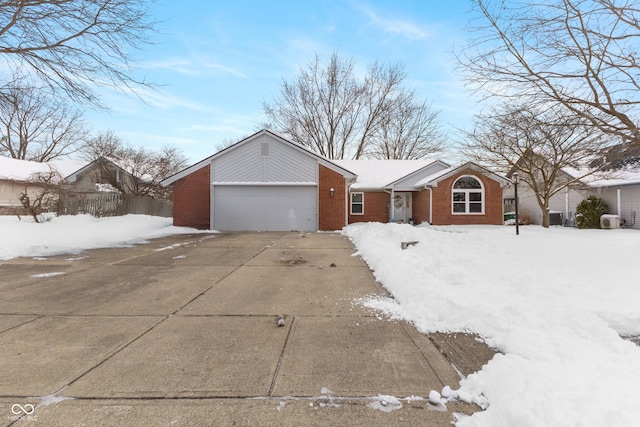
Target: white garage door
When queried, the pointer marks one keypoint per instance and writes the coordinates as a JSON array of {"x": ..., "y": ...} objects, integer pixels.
[{"x": 265, "y": 208}]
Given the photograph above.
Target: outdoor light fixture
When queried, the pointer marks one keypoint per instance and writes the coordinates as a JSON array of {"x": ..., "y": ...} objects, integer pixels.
[
  {"x": 515, "y": 184},
  {"x": 332, "y": 192}
]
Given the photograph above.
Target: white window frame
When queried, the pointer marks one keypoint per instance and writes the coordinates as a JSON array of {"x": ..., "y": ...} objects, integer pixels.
[
  {"x": 351, "y": 203},
  {"x": 467, "y": 192}
]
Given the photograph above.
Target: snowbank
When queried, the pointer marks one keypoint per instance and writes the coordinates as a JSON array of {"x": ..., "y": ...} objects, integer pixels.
[
  {"x": 553, "y": 301},
  {"x": 69, "y": 234}
]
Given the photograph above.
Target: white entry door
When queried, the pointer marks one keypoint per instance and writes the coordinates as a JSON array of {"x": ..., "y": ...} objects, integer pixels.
[
  {"x": 402, "y": 207},
  {"x": 265, "y": 208}
]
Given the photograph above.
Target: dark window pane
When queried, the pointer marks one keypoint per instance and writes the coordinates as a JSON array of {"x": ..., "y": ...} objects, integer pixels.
[
  {"x": 475, "y": 197},
  {"x": 475, "y": 207},
  {"x": 458, "y": 197},
  {"x": 467, "y": 182},
  {"x": 356, "y": 197},
  {"x": 459, "y": 208},
  {"x": 356, "y": 208}
]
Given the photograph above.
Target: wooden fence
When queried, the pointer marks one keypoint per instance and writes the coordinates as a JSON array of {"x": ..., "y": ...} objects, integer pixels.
[{"x": 113, "y": 204}]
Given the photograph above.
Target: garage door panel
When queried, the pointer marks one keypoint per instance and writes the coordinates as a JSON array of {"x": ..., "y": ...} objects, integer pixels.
[{"x": 265, "y": 208}]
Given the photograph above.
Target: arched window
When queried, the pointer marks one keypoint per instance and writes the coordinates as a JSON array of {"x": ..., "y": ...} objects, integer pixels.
[{"x": 468, "y": 196}]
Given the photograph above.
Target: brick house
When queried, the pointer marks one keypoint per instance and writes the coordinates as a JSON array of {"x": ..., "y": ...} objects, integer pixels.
[
  {"x": 266, "y": 182},
  {"x": 421, "y": 191}
]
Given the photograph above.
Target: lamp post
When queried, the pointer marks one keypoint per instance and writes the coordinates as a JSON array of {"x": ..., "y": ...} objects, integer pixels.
[{"x": 515, "y": 183}]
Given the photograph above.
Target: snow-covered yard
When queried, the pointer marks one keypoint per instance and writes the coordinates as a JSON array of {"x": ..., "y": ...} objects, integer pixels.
[
  {"x": 552, "y": 301},
  {"x": 69, "y": 234}
]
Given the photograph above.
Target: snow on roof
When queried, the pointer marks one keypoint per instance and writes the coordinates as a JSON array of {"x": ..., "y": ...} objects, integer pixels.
[
  {"x": 433, "y": 178},
  {"x": 376, "y": 174},
  {"x": 629, "y": 175},
  {"x": 22, "y": 170}
]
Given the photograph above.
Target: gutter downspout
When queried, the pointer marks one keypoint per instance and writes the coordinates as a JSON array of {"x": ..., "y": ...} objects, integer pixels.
[
  {"x": 430, "y": 206},
  {"x": 619, "y": 191},
  {"x": 211, "y": 196},
  {"x": 347, "y": 198},
  {"x": 566, "y": 204},
  {"x": 426, "y": 187},
  {"x": 392, "y": 213}
]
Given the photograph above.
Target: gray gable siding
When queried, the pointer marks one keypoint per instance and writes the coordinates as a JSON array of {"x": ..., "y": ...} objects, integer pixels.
[
  {"x": 265, "y": 159},
  {"x": 408, "y": 183}
]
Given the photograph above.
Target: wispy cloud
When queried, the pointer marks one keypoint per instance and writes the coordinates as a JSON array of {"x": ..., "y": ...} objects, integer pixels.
[
  {"x": 397, "y": 28},
  {"x": 224, "y": 69},
  {"x": 193, "y": 66},
  {"x": 179, "y": 65}
]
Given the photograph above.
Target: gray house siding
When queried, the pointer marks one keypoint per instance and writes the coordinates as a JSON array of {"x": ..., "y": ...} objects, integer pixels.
[
  {"x": 408, "y": 183},
  {"x": 265, "y": 159},
  {"x": 629, "y": 203}
]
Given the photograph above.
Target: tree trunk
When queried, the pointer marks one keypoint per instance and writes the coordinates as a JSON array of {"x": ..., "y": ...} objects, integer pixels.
[{"x": 545, "y": 214}]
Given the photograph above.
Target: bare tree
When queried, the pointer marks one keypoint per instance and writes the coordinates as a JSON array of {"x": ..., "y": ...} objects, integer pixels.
[
  {"x": 538, "y": 144},
  {"x": 36, "y": 126},
  {"x": 132, "y": 170},
  {"x": 41, "y": 193},
  {"x": 71, "y": 45},
  {"x": 332, "y": 112},
  {"x": 412, "y": 132},
  {"x": 580, "y": 54},
  {"x": 228, "y": 142}
]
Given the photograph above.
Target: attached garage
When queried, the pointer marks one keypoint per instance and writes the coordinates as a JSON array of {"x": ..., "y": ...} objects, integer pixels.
[
  {"x": 265, "y": 207},
  {"x": 262, "y": 183}
]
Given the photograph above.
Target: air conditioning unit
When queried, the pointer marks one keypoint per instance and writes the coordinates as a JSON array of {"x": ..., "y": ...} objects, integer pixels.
[{"x": 609, "y": 221}]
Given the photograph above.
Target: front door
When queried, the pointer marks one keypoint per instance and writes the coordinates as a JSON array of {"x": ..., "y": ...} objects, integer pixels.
[{"x": 402, "y": 207}]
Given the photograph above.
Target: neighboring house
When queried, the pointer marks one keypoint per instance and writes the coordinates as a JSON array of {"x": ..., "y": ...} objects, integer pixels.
[
  {"x": 619, "y": 188},
  {"x": 266, "y": 182},
  {"x": 562, "y": 205},
  {"x": 99, "y": 176},
  {"x": 104, "y": 187},
  {"x": 621, "y": 191},
  {"x": 17, "y": 176}
]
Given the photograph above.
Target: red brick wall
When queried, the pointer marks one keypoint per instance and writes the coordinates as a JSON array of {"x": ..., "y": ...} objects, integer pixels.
[
  {"x": 375, "y": 207},
  {"x": 420, "y": 210},
  {"x": 331, "y": 210},
  {"x": 192, "y": 200},
  {"x": 442, "y": 202}
]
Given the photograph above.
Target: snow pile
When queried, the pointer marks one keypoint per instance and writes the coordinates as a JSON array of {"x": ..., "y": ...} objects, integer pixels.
[
  {"x": 442, "y": 398},
  {"x": 553, "y": 301},
  {"x": 71, "y": 234},
  {"x": 385, "y": 403}
]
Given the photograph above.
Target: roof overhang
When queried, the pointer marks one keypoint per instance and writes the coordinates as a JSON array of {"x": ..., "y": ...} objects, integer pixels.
[{"x": 435, "y": 179}]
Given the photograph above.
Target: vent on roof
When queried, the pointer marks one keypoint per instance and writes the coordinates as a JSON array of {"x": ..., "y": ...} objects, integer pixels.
[{"x": 264, "y": 149}]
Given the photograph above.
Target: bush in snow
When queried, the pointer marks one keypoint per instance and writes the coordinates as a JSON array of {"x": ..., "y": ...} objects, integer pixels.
[
  {"x": 42, "y": 195},
  {"x": 589, "y": 211}
]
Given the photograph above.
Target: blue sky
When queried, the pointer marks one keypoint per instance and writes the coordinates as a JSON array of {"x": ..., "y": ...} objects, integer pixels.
[{"x": 218, "y": 61}]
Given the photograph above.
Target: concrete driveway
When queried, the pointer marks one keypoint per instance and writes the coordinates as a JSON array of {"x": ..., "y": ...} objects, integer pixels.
[{"x": 183, "y": 331}]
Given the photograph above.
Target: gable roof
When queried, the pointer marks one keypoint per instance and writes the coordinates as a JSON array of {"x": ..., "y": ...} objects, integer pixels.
[
  {"x": 206, "y": 161},
  {"x": 433, "y": 180},
  {"x": 88, "y": 167},
  {"x": 381, "y": 174}
]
